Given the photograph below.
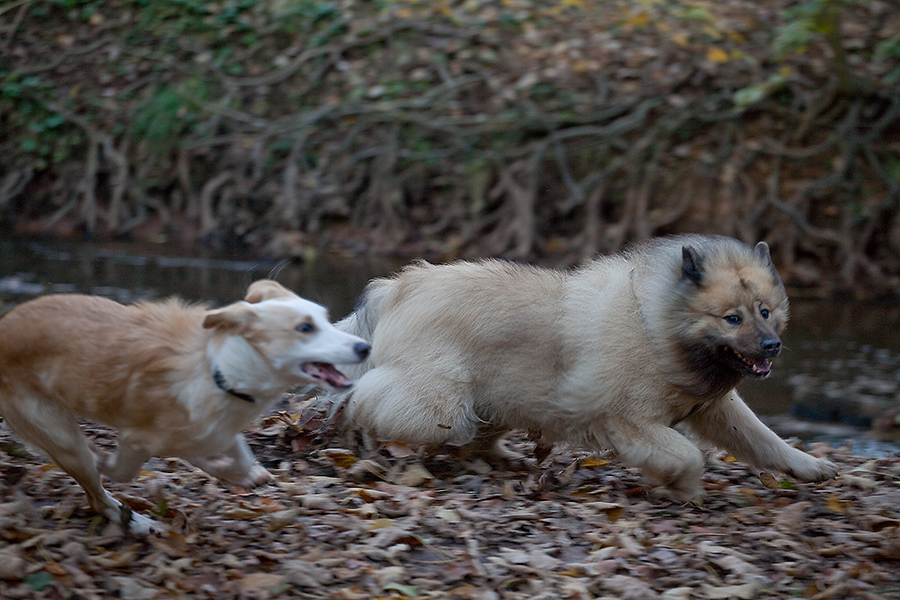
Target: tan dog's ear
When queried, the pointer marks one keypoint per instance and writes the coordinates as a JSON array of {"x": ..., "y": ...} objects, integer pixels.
[
  {"x": 235, "y": 316},
  {"x": 267, "y": 289}
]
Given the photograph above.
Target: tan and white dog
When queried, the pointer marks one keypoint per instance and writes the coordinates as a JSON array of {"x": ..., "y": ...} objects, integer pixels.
[{"x": 175, "y": 380}]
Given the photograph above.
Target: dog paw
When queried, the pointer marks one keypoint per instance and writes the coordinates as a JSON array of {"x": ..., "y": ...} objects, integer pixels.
[
  {"x": 256, "y": 477},
  {"x": 679, "y": 495},
  {"x": 139, "y": 524},
  {"x": 825, "y": 470},
  {"x": 814, "y": 469}
]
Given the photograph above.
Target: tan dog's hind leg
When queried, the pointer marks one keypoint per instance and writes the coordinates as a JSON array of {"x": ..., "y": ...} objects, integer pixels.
[
  {"x": 664, "y": 456},
  {"x": 54, "y": 430},
  {"x": 236, "y": 466},
  {"x": 732, "y": 426}
]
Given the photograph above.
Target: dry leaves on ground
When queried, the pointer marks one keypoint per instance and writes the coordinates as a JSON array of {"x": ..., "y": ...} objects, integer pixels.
[{"x": 343, "y": 522}]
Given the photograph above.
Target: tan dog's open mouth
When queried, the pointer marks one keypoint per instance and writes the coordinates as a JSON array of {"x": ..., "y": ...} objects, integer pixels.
[{"x": 327, "y": 373}]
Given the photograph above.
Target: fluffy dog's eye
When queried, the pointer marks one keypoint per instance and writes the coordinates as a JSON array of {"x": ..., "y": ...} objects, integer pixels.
[
  {"x": 765, "y": 313},
  {"x": 306, "y": 328},
  {"x": 733, "y": 319}
]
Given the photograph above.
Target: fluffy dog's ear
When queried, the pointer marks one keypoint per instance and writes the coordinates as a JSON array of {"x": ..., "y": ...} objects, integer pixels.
[
  {"x": 691, "y": 264},
  {"x": 761, "y": 250},
  {"x": 267, "y": 289},
  {"x": 235, "y": 317}
]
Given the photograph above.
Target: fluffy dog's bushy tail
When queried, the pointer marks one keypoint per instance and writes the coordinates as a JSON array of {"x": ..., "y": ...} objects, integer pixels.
[
  {"x": 360, "y": 322},
  {"x": 364, "y": 318}
]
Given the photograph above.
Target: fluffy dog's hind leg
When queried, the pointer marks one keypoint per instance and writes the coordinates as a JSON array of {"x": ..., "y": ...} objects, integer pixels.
[
  {"x": 422, "y": 409},
  {"x": 490, "y": 444}
]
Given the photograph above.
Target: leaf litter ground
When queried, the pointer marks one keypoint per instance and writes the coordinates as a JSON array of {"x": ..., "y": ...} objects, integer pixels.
[{"x": 343, "y": 521}]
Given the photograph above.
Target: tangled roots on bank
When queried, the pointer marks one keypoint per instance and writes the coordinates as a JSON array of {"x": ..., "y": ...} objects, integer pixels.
[{"x": 406, "y": 131}]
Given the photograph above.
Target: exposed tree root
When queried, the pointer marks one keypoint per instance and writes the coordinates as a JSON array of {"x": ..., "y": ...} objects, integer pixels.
[{"x": 471, "y": 165}]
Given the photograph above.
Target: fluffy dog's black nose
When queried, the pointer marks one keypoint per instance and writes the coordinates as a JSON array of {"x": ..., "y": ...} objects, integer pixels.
[
  {"x": 770, "y": 346},
  {"x": 362, "y": 349}
]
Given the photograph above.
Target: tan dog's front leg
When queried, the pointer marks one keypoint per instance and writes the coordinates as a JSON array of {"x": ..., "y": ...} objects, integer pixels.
[
  {"x": 731, "y": 425},
  {"x": 125, "y": 464},
  {"x": 235, "y": 466}
]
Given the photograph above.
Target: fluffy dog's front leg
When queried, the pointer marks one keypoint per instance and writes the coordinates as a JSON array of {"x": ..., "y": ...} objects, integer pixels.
[
  {"x": 664, "y": 456},
  {"x": 235, "y": 466},
  {"x": 731, "y": 425}
]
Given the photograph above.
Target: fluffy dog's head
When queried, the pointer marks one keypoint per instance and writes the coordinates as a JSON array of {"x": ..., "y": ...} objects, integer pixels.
[
  {"x": 733, "y": 308},
  {"x": 292, "y": 334}
]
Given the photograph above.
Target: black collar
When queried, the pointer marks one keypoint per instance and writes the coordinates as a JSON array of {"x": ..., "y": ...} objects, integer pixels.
[{"x": 219, "y": 378}]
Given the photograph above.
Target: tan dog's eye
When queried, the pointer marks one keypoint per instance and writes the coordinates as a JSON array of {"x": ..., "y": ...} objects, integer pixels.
[
  {"x": 764, "y": 313},
  {"x": 732, "y": 319},
  {"x": 306, "y": 327}
]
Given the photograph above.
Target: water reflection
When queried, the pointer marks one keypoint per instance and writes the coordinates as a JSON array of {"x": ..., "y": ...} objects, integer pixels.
[
  {"x": 127, "y": 272},
  {"x": 839, "y": 370}
]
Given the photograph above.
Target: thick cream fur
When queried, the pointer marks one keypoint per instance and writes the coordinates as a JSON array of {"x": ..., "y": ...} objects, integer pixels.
[{"x": 467, "y": 351}]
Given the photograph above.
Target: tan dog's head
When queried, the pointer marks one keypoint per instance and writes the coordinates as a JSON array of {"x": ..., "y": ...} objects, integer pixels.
[
  {"x": 735, "y": 306},
  {"x": 292, "y": 334}
]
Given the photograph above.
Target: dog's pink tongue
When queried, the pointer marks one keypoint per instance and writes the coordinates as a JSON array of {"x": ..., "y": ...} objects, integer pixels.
[
  {"x": 762, "y": 367},
  {"x": 327, "y": 373}
]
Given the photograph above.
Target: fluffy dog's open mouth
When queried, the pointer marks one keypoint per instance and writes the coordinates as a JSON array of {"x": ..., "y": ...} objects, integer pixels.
[
  {"x": 754, "y": 367},
  {"x": 327, "y": 373}
]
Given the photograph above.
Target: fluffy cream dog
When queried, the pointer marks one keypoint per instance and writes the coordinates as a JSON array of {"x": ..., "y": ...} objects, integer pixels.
[
  {"x": 175, "y": 380},
  {"x": 611, "y": 356}
]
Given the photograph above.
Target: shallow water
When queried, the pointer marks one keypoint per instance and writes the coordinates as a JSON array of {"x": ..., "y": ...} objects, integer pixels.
[
  {"x": 835, "y": 345},
  {"x": 128, "y": 272}
]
